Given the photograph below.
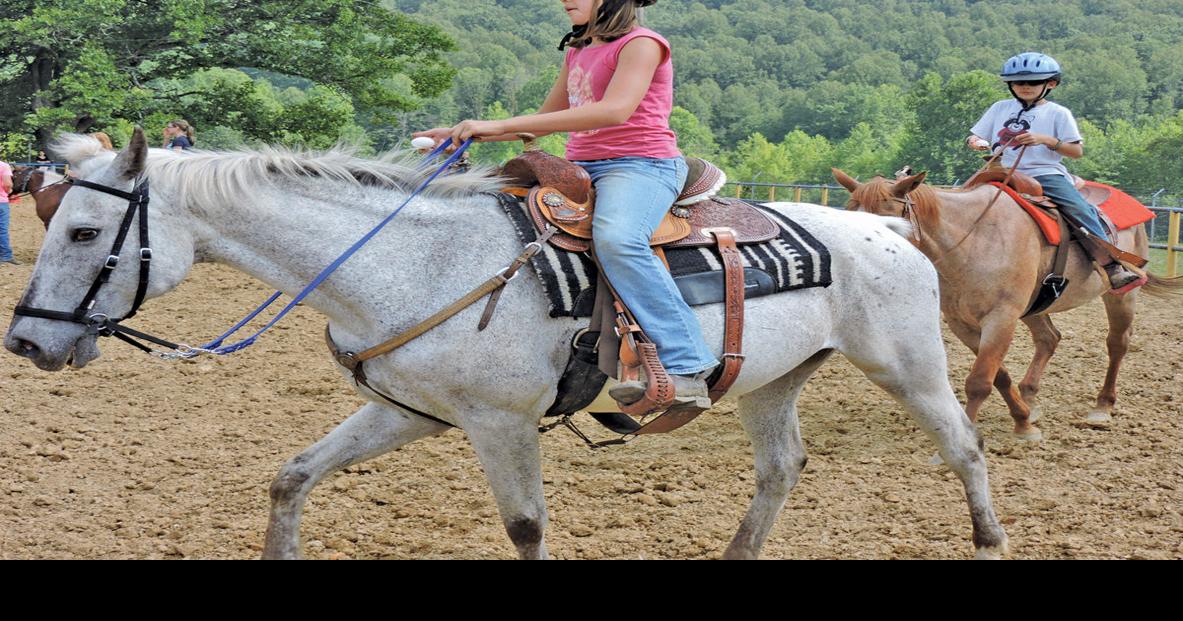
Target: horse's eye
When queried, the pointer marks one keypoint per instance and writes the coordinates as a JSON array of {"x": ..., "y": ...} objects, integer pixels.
[{"x": 85, "y": 235}]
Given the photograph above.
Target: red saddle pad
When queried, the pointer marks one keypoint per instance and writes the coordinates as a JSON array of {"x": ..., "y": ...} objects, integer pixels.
[{"x": 1123, "y": 210}]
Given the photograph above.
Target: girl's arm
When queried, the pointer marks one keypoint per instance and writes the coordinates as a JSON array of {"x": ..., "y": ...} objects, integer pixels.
[
  {"x": 634, "y": 73},
  {"x": 556, "y": 100}
]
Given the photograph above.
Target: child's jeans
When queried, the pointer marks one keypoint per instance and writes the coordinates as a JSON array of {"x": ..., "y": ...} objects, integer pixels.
[
  {"x": 633, "y": 194},
  {"x": 1063, "y": 193}
]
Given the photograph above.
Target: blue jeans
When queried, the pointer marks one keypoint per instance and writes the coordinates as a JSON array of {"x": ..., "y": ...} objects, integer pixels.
[
  {"x": 1063, "y": 193},
  {"x": 633, "y": 194},
  {"x": 5, "y": 247}
]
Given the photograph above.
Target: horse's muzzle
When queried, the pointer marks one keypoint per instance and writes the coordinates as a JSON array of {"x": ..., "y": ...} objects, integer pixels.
[{"x": 51, "y": 353}]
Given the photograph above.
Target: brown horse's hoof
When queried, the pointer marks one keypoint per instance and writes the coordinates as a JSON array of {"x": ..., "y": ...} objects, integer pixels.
[
  {"x": 1099, "y": 419},
  {"x": 1031, "y": 435}
]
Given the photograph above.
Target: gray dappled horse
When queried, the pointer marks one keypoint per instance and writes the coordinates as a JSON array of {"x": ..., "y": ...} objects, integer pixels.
[{"x": 266, "y": 213}]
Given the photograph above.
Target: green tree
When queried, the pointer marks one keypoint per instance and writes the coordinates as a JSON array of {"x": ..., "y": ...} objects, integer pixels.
[
  {"x": 942, "y": 114},
  {"x": 82, "y": 62},
  {"x": 694, "y": 138}
]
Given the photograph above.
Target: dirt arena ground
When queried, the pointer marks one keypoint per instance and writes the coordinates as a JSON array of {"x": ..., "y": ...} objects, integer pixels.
[{"x": 134, "y": 457}]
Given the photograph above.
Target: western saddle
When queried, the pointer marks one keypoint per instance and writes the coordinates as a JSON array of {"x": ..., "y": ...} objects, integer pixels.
[
  {"x": 561, "y": 201},
  {"x": 1029, "y": 189}
]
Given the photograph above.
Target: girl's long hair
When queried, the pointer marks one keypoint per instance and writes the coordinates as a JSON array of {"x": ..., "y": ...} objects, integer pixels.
[{"x": 614, "y": 19}]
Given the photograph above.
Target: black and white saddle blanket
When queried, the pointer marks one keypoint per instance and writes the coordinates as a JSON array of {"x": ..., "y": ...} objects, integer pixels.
[{"x": 794, "y": 260}]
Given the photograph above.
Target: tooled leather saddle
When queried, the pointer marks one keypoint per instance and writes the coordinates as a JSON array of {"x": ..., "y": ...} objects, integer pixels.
[{"x": 561, "y": 201}]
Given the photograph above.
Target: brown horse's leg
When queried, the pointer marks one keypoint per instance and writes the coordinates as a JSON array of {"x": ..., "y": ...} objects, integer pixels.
[
  {"x": 988, "y": 371},
  {"x": 1121, "y": 327},
  {"x": 1046, "y": 337}
]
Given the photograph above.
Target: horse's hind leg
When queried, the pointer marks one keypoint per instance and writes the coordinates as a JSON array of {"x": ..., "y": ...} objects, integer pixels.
[
  {"x": 1121, "y": 327},
  {"x": 769, "y": 416},
  {"x": 1046, "y": 338},
  {"x": 507, "y": 445},
  {"x": 372, "y": 431},
  {"x": 912, "y": 369}
]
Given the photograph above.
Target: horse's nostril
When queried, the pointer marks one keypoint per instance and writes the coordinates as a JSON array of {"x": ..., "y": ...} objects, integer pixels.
[{"x": 27, "y": 349}]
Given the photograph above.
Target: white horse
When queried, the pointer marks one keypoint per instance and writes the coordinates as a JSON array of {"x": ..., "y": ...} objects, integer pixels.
[{"x": 282, "y": 216}]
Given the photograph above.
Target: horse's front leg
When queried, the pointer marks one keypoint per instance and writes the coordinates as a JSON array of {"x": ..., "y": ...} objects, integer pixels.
[
  {"x": 990, "y": 343},
  {"x": 1046, "y": 338},
  {"x": 507, "y": 445},
  {"x": 372, "y": 431}
]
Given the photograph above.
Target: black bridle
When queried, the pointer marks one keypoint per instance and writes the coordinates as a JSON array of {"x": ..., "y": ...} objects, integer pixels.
[{"x": 98, "y": 323}]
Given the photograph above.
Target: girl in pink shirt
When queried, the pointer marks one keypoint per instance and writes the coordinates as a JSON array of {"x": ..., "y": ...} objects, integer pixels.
[{"x": 614, "y": 95}]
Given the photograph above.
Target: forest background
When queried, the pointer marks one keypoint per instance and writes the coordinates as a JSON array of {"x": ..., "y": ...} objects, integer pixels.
[{"x": 775, "y": 91}]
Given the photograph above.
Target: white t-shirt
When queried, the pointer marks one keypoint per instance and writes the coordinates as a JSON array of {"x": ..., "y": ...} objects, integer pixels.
[{"x": 1006, "y": 119}]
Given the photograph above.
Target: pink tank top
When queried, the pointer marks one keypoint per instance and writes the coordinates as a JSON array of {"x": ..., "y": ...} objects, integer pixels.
[{"x": 647, "y": 133}]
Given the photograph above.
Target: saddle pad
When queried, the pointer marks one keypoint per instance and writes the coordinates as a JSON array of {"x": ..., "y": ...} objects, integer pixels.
[
  {"x": 793, "y": 260},
  {"x": 1046, "y": 223},
  {"x": 1123, "y": 210}
]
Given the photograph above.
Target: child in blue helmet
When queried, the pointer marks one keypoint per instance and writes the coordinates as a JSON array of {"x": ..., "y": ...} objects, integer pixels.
[{"x": 1049, "y": 132}]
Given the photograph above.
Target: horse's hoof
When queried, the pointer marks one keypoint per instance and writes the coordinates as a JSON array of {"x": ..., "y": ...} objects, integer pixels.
[
  {"x": 1031, "y": 435},
  {"x": 936, "y": 460},
  {"x": 993, "y": 553},
  {"x": 1098, "y": 418},
  {"x": 1036, "y": 413}
]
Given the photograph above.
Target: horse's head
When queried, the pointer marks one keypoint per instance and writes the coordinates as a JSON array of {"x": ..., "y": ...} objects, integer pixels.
[
  {"x": 49, "y": 191},
  {"x": 882, "y": 197},
  {"x": 78, "y": 244},
  {"x": 25, "y": 180}
]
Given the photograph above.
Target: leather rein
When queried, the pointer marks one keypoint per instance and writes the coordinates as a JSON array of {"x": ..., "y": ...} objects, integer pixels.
[{"x": 973, "y": 227}]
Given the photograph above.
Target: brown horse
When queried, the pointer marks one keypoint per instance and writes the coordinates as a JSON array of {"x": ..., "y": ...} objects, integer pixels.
[
  {"x": 47, "y": 190},
  {"x": 991, "y": 261}
]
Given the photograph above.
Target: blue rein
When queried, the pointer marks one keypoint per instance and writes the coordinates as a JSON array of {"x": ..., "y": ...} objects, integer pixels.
[{"x": 216, "y": 347}]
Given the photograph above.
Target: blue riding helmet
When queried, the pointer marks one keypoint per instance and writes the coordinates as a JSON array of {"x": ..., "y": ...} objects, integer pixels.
[{"x": 1030, "y": 66}]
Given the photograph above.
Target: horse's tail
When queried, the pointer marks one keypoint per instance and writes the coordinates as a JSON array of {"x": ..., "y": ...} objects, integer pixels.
[{"x": 1160, "y": 287}]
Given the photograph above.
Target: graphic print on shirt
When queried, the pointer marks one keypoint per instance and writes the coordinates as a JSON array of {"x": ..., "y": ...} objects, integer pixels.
[
  {"x": 580, "y": 93},
  {"x": 1012, "y": 129}
]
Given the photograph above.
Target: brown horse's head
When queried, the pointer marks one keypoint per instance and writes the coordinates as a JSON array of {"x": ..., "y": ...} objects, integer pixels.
[
  {"x": 23, "y": 180},
  {"x": 47, "y": 191},
  {"x": 904, "y": 197}
]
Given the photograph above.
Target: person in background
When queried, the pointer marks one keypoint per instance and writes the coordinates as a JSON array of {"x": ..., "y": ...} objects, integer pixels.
[
  {"x": 43, "y": 162},
  {"x": 5, "y": 189},
  {"x": 178, "y": 135}
]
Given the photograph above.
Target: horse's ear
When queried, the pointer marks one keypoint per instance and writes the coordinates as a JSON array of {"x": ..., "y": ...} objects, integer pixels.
[
  {"x": 844, "y": 180},
  {"x": 130, "y": 162},
  {"x": 907, "y": 184}
]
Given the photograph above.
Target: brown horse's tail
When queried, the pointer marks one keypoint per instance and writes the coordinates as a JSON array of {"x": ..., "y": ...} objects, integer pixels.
[{"x": 1160, "y": 287}]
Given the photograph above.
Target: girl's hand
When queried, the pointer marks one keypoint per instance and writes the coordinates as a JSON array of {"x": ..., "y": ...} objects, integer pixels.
[
  {"x": 476, "y": 129},
  {"x": 977, "y": 144},
  {"x": 437, "y": 135}
]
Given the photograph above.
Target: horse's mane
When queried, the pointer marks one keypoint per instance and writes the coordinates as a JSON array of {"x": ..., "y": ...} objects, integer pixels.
[
  {"x": 213, "y": 180},
  {"x": 926, "y": 204}
]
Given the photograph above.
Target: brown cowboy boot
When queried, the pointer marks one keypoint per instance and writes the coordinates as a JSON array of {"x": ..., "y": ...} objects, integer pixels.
[
  {"x": 689, "y": 391},
  {"x": 1121, "y": 279}
]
